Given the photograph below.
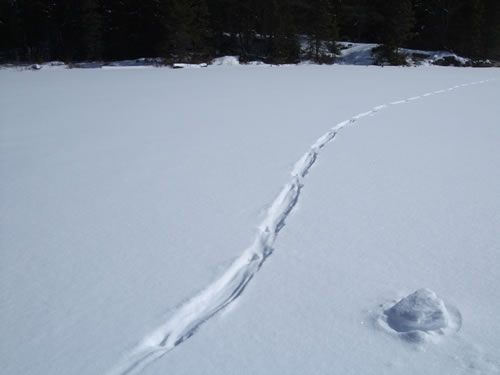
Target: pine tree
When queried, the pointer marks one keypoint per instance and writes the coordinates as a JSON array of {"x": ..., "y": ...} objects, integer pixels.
[
  {"x": 266, "y": 29},
  {"x": 37, "y": 16},
  {"x": 143, "y": 23},
  {"x": 10, "y": 31},
  {"x": 465, "y": 28},
  {"x": 395, "y": 29},
  {"x": 322, "y": 21},
  {"x": 284, "y": 44},
  {"x": 358, "y": 20},
  {"x": 490, "y": 35},
  {"x": 91, "y": 29},
  {"x": 434, "y": 21},
  {"x": 189, "y": 33},
  {"x": 118, "y": 18}
]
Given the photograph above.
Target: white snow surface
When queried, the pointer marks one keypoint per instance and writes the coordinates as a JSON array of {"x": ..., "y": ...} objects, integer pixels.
[
  {"x": 128, "y": 198},
  {"x": 356, "y": 53}
]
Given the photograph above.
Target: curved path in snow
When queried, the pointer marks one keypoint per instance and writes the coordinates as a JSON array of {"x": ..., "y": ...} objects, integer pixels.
[{"x": 186, "y": 320}]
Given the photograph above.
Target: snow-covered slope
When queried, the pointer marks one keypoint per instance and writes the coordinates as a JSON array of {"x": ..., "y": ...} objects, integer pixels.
[
  {"x": 126, "y": 192},
  {"x": 356, "y": 54},
  {"x": 361, "y": 54}
]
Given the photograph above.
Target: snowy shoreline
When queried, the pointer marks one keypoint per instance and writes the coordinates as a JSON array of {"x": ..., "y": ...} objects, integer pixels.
[{"x": 350, "y": 54}]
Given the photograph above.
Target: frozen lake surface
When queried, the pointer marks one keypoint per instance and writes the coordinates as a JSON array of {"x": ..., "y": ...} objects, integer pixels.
[{"x": 136, "y": 205}]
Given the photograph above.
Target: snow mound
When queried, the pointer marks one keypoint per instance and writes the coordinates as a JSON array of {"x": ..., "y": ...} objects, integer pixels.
[
  {"x": 419, "y": 316},
  {"x": 226, "y": 61},
  {"x": 420, "y": 311},
  {"x": 180, "y": 65}
]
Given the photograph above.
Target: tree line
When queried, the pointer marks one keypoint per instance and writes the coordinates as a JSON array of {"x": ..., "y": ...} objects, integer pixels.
[{"x": 269, "y": 30}]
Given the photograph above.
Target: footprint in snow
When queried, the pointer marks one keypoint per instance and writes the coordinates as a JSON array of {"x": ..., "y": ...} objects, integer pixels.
[{"x": 419, "y": 317}]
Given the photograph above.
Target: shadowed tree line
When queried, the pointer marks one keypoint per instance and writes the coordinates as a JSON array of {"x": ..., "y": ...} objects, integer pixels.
[{"x": 270, "y": 30}]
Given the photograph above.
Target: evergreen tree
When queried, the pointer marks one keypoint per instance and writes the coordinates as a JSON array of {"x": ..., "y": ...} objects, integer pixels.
[
  {"x": 397, "y": 21},
  {"x": 322, "y": 30},
  {"x": 395, "y": 28},
  {"x": 358, "y": 20},
  {"x": 189, "y": 34},
  {"x": 91, "y": 29},
  {"x": 194, "y": 30},
  {"x": 465, "y": 28},
  {"x": 115, "y": 33},
  {"x": 490, "y": 33},
  {"x": 284, "y": 44},
  {"x": 239, "y": 27},
  {"x": 145, "y": 26},
  {"x": 10, "y": 31},
  {"x": 37, "y": 16}
]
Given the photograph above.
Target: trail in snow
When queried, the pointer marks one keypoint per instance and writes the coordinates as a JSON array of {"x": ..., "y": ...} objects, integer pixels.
[{"x": 190, "y": 316}]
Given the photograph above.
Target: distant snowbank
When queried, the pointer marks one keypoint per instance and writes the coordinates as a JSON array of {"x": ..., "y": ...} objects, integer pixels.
[
  {"x": 356, "y": 54},
  {"x": 362, "y": 54}
]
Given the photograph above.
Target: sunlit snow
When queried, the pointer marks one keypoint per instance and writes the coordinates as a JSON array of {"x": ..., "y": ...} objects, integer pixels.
[{"x": 250, "y": 220}]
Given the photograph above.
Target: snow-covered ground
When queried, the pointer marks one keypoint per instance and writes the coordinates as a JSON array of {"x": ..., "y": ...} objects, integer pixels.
[{"x": 137, "y": 205}]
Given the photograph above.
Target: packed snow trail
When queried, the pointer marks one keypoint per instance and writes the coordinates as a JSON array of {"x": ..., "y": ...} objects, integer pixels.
[{"x": 191, "y": 315}]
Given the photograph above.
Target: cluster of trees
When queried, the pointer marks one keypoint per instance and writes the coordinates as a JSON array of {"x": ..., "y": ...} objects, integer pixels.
[{"x": 271, "y": 30}]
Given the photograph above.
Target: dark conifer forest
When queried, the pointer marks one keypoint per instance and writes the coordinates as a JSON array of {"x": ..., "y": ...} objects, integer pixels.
[{"x": 268, "y": 30}]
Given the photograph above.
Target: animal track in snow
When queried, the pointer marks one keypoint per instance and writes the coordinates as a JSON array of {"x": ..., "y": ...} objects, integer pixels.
[
  {"x": 190, "y": 316},
  {"x": 398, "y": 102}
]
